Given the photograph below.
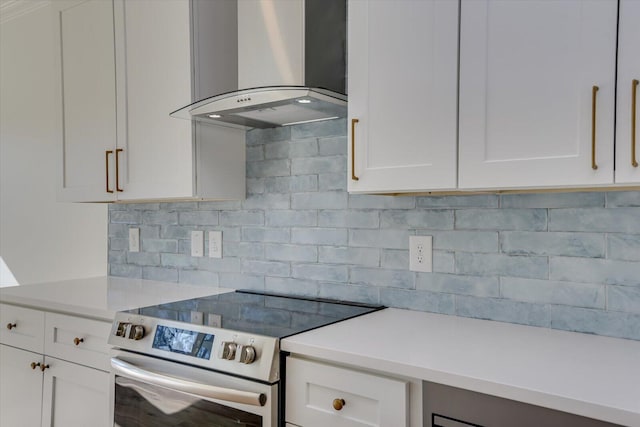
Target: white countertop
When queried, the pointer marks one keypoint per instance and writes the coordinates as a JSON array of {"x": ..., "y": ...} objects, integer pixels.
[
  {"x": 593, "y": 376},
  {"x": 101, "y": 297}
]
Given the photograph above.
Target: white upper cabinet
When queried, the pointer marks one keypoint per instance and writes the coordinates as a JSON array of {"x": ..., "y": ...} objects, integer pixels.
[
  {"x": 124, "y": 66},
  {"x": 160, "y": 156},
  {"x": 402, "y": 84},
  {"x": 536, "y": 79},
  {"x": 627, "y": 159},
  {"x": 86, "y": 98}
]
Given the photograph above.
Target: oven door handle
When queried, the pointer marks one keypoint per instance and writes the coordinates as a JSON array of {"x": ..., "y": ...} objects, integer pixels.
[{"x": 198, "y": 389}]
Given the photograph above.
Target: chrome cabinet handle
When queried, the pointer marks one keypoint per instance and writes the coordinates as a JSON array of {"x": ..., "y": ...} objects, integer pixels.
[
  {"x": 634, "y": 92},
  {"x": 353, "y": 149},
  {"x": 594, "y": 92},
  {"x": 106, "y": 159},
  {"x": 198, "y": 389}
]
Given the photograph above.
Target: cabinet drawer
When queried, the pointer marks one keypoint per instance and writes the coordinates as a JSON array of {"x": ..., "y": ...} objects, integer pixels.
[
  {"x": 366, "y": 399},
  {"x": 78, "y": 340},
  {"x": 21, "y": 327}
]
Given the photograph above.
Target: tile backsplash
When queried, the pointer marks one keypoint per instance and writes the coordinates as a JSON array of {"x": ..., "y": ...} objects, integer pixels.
[{"x": 559, "y": 260}]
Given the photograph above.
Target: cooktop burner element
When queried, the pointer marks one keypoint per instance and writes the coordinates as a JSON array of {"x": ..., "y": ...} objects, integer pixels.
[
  {"x": 269, "y": 315},
  {"x": 237, "y": 332}
]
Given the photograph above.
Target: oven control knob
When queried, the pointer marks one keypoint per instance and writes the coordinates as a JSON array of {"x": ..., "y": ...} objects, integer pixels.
[
  {"x": 137, "y": 332},
  {"x": 229, "y": 350},
  {"x": 247, "y": 354},
  {"x": 123, "y": 329}
]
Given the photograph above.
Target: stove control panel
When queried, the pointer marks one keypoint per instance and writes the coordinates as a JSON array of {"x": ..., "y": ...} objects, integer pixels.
[
  {"x": 130, "y": 331},
  {"x": 226, "y": 350}
]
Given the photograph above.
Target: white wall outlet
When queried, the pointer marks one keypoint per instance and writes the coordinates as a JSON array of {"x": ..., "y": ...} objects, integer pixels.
[
  {"x": 197, "y": 317},
  {"x": 215, "y": 244},
  {"x": 134, "y": 240},
  {"x": 214, "y": 320},
  {"x": 421, "y": 253},
  {"x": 197, "y": 243}
]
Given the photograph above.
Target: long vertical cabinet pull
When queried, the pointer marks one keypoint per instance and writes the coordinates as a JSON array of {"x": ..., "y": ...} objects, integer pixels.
[
  {"x": 594, "y": 92},
  {"x": 353, "y": 149},
  {"x": 106, "y": 158},
  {"x": 634, "y": 93},
  {"x": 120, "y": 190}
]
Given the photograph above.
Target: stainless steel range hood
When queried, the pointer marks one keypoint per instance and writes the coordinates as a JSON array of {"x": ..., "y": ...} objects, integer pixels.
[
  {"x": 267, "y": 107},
  {"x": 289, "y": 66}
]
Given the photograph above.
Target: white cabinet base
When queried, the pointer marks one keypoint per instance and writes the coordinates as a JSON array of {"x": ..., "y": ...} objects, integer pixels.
[
  {"x": 74, "y": 395},
  {"x": 20, "y": 387}
]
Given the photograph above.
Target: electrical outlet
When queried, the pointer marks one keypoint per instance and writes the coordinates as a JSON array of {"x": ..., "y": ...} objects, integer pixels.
[
  {"x": 134, "y": 240},
  {"x": 197, "y": 243},
  {"x": 197, "y": 317},
  {"x": 421, "y": 253},
  {"x": 215, "y": 244}
]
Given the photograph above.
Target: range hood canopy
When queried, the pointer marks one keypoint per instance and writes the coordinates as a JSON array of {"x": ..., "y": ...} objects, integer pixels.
[
  {"x": 268, "y": 107},
  {"x": 278, "y": 62}
]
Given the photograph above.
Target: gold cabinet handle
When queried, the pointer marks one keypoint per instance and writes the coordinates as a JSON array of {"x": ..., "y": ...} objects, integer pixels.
[
  {"x": 43, "y": 367},
  {"x": 34, "y": 365},
  {"x": 353, "y": 149},
  {"x": 634, "y": 91},
  {"x": 106, "y": 159},
  {"x": 338, "y": 404},
  {"x": 118, "y": 189},
  {"x": 594, "y": 92},
  {"x": 77, "y": 340},
  {"x": 10, "y": 325}
]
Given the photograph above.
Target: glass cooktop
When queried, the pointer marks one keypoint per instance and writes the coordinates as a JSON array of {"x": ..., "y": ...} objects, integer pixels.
[{"x": 269, "y": 315}]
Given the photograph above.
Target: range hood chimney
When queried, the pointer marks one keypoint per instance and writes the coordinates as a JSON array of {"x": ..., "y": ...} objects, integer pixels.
[{"x": 268, "y": 63}]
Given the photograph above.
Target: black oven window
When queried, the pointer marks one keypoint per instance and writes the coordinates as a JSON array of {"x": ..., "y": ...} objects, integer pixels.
[{"x": 141, "y": 405}]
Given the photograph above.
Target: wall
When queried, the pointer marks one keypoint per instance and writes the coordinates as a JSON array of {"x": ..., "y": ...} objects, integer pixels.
[
  {"x": 40, "y": 239},
  {"x": 566, "y": 261}
]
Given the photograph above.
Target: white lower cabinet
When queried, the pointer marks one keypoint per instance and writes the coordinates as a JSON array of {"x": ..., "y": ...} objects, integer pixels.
[
  {"x": 320, "y": 395},
  {"x": 20, "y": 387},
  {"x": 74, "y": 395},
  {"x": 37, "y": 389}
]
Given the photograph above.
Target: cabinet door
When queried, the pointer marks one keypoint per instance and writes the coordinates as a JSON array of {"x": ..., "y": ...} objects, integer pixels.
[
  {"x": 527, "y": 73},
  {"x": 86, "y": 98},
  {"x": 74, "y": 395},
  {"x": 154, "y": 49},
  {"x": 627, "y": 159},
  {"x": 20, "y": 387},
  {"x": 402, "y": 92}
]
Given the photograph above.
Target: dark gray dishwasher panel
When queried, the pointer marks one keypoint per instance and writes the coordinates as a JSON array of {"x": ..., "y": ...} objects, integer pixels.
[{"x": 446, "y": 406}]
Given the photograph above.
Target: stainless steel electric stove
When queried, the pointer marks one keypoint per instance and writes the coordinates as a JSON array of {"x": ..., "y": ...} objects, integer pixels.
[{"x": 212, "y": 361}]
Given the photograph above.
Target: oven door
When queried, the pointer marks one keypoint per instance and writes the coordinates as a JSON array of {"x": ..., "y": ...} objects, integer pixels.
[{"x": 147, "y": 391}]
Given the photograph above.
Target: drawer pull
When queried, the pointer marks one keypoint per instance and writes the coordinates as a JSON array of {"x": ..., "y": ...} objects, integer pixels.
[
  {"x": 43, "y": 367},
  {"x": 10, "y": 326},
  {"x": 77, "y": 340},
  {"x": 34, "y": 365},
  {"x": 338, "y": 404}
]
